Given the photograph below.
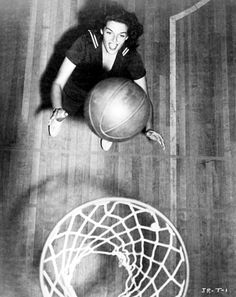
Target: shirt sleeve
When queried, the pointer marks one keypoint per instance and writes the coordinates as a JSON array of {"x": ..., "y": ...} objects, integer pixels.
[
  {"x": 76, "y": 53},
  {"x": 135, "y": 66}
]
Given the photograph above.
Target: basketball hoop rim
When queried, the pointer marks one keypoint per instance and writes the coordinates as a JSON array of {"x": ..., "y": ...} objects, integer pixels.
[{"x": 132, "y": 201}]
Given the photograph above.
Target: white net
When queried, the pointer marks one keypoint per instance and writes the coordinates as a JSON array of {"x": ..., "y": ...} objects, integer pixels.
[{"x": 145, "y": 242}]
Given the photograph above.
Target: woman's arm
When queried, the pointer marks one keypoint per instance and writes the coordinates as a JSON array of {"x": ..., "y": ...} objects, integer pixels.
[
  {"x": 142, "y": 82},
  {"x": 150, "y": 133},
  {"x": 64, "y": 73}
]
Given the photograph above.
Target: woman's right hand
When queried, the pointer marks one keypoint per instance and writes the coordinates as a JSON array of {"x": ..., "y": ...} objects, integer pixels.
[{"x": 59, "y": 114}]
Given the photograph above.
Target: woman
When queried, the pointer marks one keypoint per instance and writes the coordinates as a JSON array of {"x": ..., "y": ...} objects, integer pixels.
[{"x": 109, "y": 51}]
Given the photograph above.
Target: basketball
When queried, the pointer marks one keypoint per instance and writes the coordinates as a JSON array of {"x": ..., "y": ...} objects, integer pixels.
[{"x": 117, "y": 109}]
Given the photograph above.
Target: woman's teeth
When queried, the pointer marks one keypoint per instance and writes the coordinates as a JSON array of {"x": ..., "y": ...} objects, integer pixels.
[{"x": 113, "y": 46}]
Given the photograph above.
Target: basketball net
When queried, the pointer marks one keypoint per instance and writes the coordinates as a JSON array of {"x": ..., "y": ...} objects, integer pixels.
[{"x": 145, "y": 242}]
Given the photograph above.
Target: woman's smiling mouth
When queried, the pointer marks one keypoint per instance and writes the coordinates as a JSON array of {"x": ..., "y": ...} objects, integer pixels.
[{"x": 113, "y": 46}]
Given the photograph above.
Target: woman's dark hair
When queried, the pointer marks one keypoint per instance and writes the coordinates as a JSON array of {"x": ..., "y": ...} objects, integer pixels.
[{"x": 112, "y": 11}]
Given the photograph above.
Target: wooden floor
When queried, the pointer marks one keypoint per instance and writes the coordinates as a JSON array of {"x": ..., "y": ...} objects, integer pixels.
[{"x": 189, "y": 49}]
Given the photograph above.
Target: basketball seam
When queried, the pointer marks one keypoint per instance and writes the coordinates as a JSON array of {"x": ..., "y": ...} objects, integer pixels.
[
  {"x": 124, "y": 121},
  {"x": 90, "y": 117},
  {"x": 113, "y": 95},
  {"x": 90, "y": 114}
]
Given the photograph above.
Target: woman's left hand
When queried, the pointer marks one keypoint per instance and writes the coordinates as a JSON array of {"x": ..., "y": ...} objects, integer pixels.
[{"x": 154, "y": 136}]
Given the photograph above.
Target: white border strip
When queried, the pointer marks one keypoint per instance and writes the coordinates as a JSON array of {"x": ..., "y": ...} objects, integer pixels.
[
  {"x": 93, "y": 37},
  {"x": 173, "y": 118}
]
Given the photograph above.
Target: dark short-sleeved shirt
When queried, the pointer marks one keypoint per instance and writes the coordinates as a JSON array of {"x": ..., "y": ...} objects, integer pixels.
[{"x": 86, "y": 54}]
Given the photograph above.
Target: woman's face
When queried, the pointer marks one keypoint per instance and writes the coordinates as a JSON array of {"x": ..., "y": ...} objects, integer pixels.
[{"x": 114, "y": 36}]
